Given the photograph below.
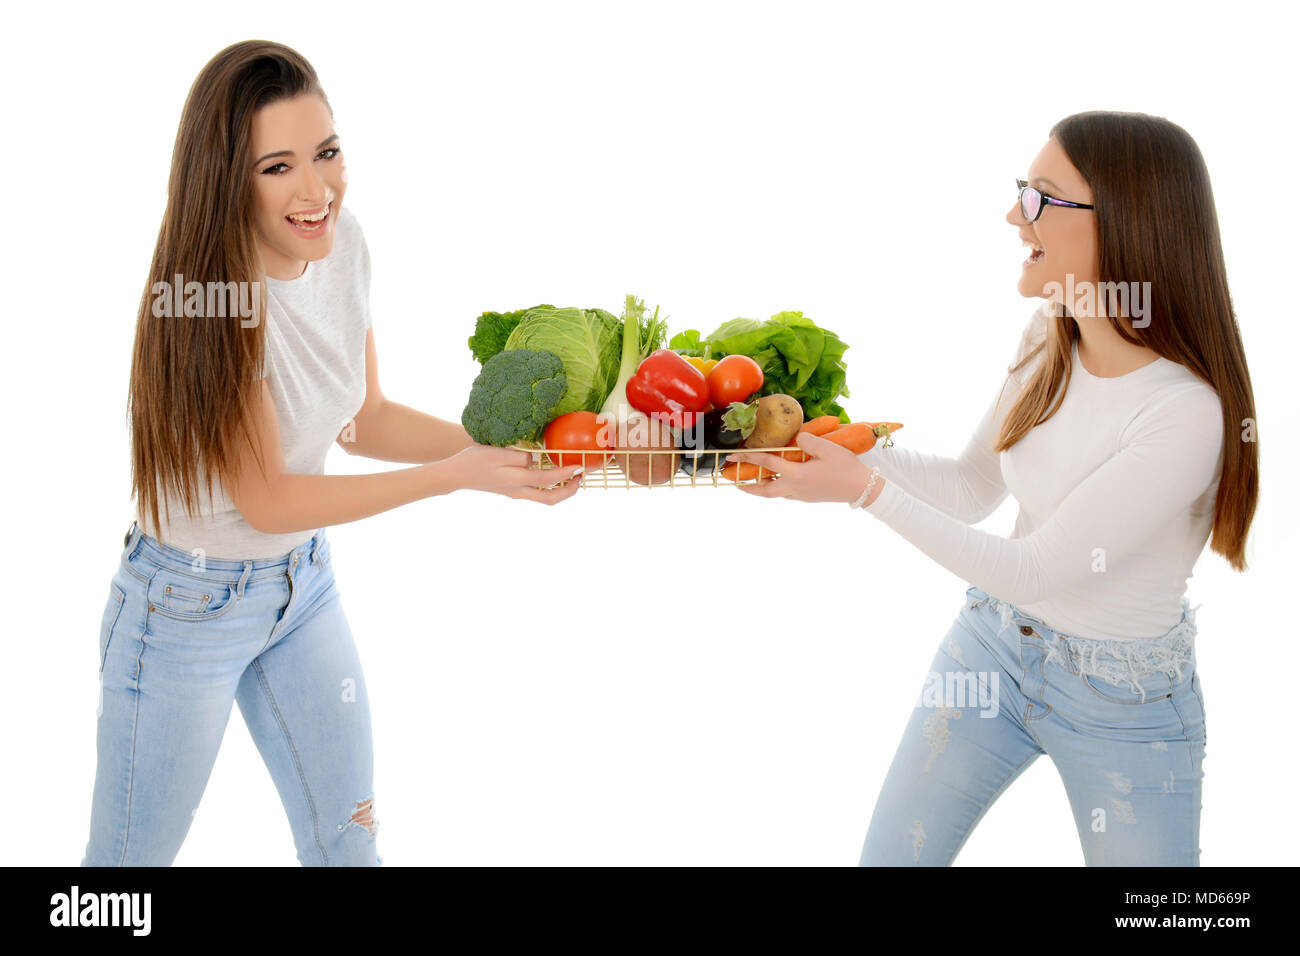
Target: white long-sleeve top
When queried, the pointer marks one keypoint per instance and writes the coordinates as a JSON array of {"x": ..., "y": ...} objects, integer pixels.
[{"x": 1116, "y": 494}]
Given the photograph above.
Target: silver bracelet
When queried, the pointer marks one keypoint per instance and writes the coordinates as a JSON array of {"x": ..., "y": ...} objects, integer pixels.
[{"x": 871, "y": 483}]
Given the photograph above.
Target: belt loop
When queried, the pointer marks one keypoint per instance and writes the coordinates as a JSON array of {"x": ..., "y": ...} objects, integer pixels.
[{"x": 248, "y": 568}]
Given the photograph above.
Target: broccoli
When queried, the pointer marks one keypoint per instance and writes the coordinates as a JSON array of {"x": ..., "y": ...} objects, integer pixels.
[
  {"x": 492, "y": 329},
  {"x": 513, "y": 397}
]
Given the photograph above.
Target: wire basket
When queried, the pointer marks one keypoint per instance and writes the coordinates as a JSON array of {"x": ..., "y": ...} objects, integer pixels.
[{"x": 609, "y": 474}]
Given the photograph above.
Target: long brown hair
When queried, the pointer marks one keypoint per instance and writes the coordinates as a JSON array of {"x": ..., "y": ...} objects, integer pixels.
[
  {"x": 193, "y": 382},
  {"x": 1156, "y": 221}
]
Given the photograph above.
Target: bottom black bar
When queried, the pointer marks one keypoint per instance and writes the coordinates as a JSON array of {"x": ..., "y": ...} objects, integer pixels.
[{"x": 641, "y": 904}]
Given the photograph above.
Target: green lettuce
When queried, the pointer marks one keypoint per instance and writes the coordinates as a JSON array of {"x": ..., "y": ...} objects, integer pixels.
[{"x": 798, "y": 358}]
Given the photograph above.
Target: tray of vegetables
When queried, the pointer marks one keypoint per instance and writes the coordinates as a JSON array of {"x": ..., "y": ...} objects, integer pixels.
[{"x": 581, "y": 386}]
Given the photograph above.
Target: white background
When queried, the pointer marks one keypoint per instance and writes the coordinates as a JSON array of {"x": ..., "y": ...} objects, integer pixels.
[{"x": 636, "y": 677}]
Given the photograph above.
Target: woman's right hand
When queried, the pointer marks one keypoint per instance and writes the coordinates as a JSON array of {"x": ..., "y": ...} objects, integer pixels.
[{"x": 508, "y": 471}]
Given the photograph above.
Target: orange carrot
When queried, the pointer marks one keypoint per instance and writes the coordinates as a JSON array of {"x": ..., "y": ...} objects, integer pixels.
[
  {"x": 857, "y": 438},
  {"x": 821, "y": 425},
  {"x": 744, "y": 471},
  {"x": 861, "y": 437}
]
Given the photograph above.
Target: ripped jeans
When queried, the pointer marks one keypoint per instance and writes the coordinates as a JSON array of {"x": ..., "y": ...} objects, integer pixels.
[
  {"x": 1124, "y": 723},
  {"x": 182, "y": 640}
]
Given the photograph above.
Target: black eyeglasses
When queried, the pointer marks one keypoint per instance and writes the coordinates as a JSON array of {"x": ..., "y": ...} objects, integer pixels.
[{"x": 1034, "y": 201}]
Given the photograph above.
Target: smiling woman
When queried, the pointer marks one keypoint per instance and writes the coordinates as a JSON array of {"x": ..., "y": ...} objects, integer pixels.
[
  {"x": 224, "y": 591},
  {"x": 1127, "y": 440},
  {"x": 288, "y": 217}
]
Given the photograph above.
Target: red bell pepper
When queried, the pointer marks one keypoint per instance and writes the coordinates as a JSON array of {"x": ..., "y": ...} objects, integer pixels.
[{"x": 669, "y": 388}]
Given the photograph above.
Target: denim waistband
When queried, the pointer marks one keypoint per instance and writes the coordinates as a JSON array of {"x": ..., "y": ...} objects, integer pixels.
[
  {"x": 1119, "y": 662},
  {"x": 219, "y": 569}
]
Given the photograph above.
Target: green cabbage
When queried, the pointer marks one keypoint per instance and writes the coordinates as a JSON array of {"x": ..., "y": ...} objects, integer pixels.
[{"x": 588, "y": 341}]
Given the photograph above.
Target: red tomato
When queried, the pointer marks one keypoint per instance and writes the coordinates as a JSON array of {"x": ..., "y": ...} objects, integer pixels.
[
  {"x": 578, "y": 431},
  {"x": 734, "y": 379}
]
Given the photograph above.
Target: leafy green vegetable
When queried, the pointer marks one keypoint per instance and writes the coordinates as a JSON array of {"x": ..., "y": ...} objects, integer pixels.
[
  {"x": 588, "y": 342},
  {"x": 493, "y": 328},
  {"x": 688, "y": 343},
  {"x": 798, "y": 358},
  {"x": 514, "y": 396}
]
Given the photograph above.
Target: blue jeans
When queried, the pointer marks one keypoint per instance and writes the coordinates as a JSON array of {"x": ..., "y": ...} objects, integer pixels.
[
  {"x": 183, "y": 638},
  {"x": 1123, "y": 721}
]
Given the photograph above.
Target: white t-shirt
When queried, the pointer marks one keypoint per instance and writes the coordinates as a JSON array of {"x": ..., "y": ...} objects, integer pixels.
[
  {"x": 316, "y": 363},
  {"x": 1116, "y": 494}
]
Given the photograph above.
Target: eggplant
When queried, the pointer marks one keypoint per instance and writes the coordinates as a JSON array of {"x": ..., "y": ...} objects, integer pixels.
[
  {"x": 718, "y": 435},
  {"x": 707, "y": 442},
  {"x": 701, "y": 462}
]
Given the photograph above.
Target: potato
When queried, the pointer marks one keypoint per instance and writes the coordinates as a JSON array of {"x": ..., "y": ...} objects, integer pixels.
[
  {"x": 643, "y": 432},
  {"x": 778, "y": 419}
]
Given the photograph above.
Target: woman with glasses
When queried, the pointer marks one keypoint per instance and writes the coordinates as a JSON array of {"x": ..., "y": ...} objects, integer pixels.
[
  {"x": 225, "y": 591},
  {"x": 1125, "y": 430}
]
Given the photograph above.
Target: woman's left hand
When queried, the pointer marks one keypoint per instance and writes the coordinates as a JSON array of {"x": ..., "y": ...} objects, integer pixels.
[{"x": 832, "y": 473}]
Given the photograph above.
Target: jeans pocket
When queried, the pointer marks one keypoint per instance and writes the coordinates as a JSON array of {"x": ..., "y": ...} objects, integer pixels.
[
  {"x": 1153, "y": 689},
  {"x": 1113, "y": 679},
  {"x": 1190, "y": 704},
  {"x": 183, "y": 597},
  {"x": 112, "y": 611},
  {"x": 186, "y": 600}
]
